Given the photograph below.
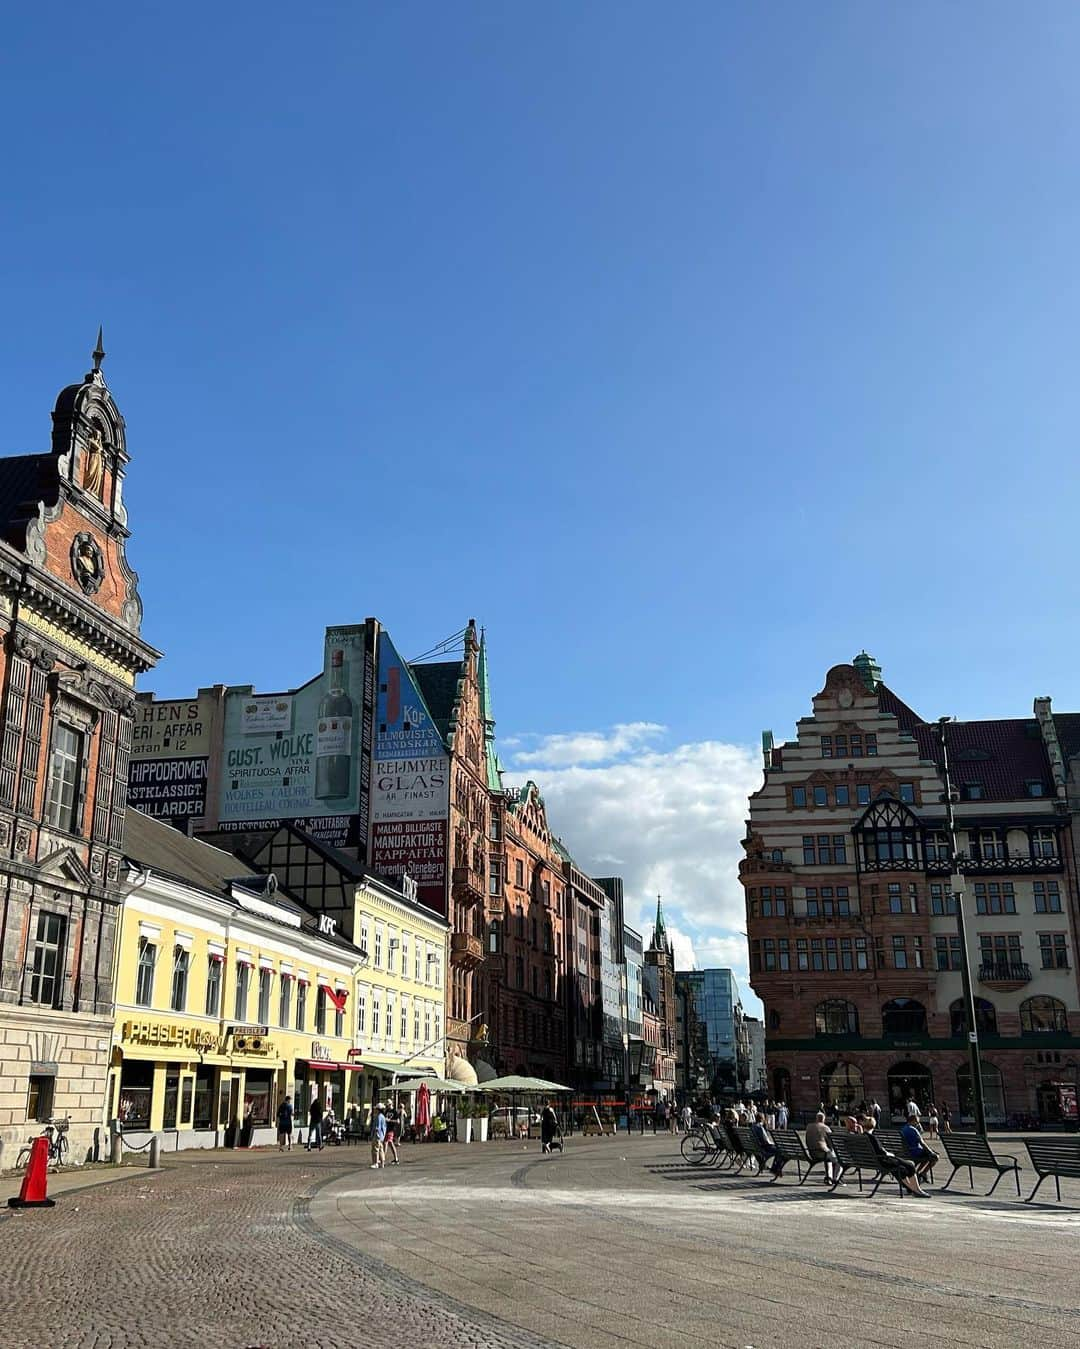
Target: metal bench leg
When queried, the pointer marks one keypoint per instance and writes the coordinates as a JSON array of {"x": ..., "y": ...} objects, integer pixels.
[
  {"x": 1057, "y": 1185},
  {"x": 949, "y": 1181},
  {"x": 1035, "y": 1191},
  {"x": 803, "y": 1179},
  {"x": 996, "y": 1183},
  {"x": 1016, "y": 1176}
]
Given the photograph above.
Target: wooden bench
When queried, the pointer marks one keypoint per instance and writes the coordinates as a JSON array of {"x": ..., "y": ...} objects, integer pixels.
[
  {"x": 1055, "y": 1157},
  {"x": 974, "y": 1152}
]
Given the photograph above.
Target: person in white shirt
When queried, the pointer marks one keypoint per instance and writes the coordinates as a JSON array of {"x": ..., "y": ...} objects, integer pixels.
[
  {"x": 687, "y": 1117},
  {"x": 782, "y": 1115}
]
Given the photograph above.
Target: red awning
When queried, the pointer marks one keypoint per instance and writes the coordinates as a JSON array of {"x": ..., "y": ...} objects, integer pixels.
[{"x": 330, "y": 1066}]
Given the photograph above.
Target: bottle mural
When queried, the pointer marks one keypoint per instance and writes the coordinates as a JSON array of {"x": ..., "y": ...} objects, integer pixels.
[{"x": 333, "y": 735}]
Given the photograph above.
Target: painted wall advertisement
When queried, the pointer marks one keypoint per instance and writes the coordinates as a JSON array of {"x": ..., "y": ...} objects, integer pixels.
[
  {"x": 297, "y": 756},
  {"x": 410, "y": 788},
  {"x": 170, "y": 756}
]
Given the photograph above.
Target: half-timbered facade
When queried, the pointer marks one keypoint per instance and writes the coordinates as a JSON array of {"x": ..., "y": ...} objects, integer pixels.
[{"x": 853, "y": 940}]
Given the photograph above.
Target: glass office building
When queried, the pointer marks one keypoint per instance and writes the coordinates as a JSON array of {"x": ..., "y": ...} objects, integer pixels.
[{"x": 712, "y": 1040}]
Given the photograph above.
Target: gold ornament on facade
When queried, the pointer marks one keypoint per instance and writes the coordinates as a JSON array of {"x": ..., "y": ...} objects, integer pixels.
[{"x": 94, "y": 470}]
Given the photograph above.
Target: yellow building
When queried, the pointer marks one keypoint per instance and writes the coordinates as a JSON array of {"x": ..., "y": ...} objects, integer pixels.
[
  {"x": 402, "y": 947},
  {"x": 231, "y": 995}
]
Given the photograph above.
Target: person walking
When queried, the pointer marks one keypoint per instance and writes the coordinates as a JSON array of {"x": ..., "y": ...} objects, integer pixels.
[
  {"x": 393, "y": 1133},
  {"x": 687, "y": 1117},
  {"x": 781, "y": 1116},
  {"x": 284, "y": 1125},
  {"x": 378, "y": 1138},
  {"x": 314, "y": 1136},
  {"x": 549, "y": 1127},
  {"x": 945, "y": 1119}
]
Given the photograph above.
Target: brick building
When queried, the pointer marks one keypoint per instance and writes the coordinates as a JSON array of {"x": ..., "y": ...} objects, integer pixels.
[
  {"x": 70, "y": 615},
  {"x": 587, "y": 904},
  {"x": 853, "y": 945},
  {"x": 658, "y": 977}
]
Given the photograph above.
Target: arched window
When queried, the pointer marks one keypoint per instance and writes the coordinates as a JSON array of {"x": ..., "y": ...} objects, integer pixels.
[
  {"x": 781, "y": 1085},
  {"x": 841, "y": 1085},
  {"x": 903, "y": 1016},
  {"x": 993, "y": 1093},
  {"x": 985, "y": 1017},
  {"x": 1043, "y": 1014},
  {"x": 909, "y": 1081},
  {"x": 836, "y": 1017},
  {"x": 889, "y": 837}
]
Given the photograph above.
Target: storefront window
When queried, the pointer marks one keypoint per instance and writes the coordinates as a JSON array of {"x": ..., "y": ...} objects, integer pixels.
[
  {"x": 185, "y": 1100},
  {"x": 204, "y": 1098},
  {"x": 136, "y": 1090},
  {"x": 172, "y": 1099},
  {"x": 257, "y": 1097}
]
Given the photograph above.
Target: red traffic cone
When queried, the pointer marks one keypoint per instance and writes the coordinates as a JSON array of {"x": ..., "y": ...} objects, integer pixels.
[{"x": 32, "y": 1194}]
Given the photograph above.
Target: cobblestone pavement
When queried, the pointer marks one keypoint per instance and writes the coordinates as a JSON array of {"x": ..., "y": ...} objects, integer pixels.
[{"x": 615, "y": 1243}]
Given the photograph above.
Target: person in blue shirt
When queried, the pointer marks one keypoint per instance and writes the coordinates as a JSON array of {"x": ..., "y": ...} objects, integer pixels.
[
  {"x": 923, "y": 1157},
  {"x": 378, "y": 1138}
]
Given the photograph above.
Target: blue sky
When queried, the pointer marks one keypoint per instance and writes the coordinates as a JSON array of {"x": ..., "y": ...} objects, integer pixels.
[{"x": 689, "y": 348}]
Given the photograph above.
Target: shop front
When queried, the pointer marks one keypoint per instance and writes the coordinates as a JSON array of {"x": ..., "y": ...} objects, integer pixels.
[{"x": 192, "y": 1085}]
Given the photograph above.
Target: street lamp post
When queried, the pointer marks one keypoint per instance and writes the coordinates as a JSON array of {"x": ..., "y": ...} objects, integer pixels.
[{"x": 956, "y": 886}]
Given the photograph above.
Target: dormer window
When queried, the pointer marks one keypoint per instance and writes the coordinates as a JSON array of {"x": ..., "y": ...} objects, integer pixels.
[
  {"x": 1036, "y": 789},
  {"x": 972, "y": 791}
]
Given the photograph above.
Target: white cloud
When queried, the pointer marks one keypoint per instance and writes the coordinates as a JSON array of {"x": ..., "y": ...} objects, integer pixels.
[
  {"x": 669, "y": 822},
  {"x": 587, "y": 747}
]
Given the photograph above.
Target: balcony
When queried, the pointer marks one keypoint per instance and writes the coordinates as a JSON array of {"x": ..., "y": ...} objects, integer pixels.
[
  {"x": 1005, "y": 975},
  {"x": 996, "y": 866},
  {"x": 465, "y": 952},
  {"x": 469, "y": 885}
]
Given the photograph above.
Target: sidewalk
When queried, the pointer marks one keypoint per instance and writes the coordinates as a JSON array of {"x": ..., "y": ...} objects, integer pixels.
[{"x": 76, "y": 1178}]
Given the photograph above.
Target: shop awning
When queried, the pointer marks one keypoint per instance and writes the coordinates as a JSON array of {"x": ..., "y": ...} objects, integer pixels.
[
  {"x": 382, "y": 1065},
  {"x": 331, "y": 1066}
]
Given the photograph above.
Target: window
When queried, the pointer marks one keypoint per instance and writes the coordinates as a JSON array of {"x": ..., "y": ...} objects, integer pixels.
[
  {"x": 427, "y": 1023},
  {"x": 1035, "y": 789},
  {"x": 301, "y": 1004},
  {"x": 404, "y": 955},
  {"x": 843, "y": 795},
  {"x": 519, "y": 872},
  {"x": 1047, "y": 897},
  {"x": 937, "y": 846},
  {"x": 821, "y": 796},
  {"x": 378, "y": 945},
  {"x": 826, "y": 747},
  {"x": 284, "y": 1002},
  {"x": 1043, "y": 843},
  {"x": 907, "y": 793},
  {"x": 798, "y": 797},
  {"x": 773, "y": 904},
  {"x": 389, "y": 1016},
  {"x": 320, "y": 1010},
  {"x": 862, "y": 794},
  {"x": 376, "y": 1019},
  {"x": 243, "y": 980},
  {"x": 39, "y": 1105},
  {"x": 47, "y": 974},
  {"x": 1053, "y": 950},
  {"x": 972, "y": 791},
  {"x": 861, "y": 958},
  {"x": 1043, "y": 1014},
  {"x": 418, "y": 957},
  {"x": 896, "y": 902},
  {"x": 493, "y": 938},
  {"x": 871, "y": 744},
  {"x": 903, "y": 1016},
  {"x": 519, "y": 972},
  {"x": 404, "y": 1019},
  {"x": 144, "y": 973},
  {"x": 836, "y": 1017},
  {"x": 416, "y": 1022},
  {"x": 994, "y": 897},
  {"x": 178, "y": 998},
  {"x": 1000, "y": 953},
  {"x": 213, "y": 986},
  {"x": 264, "y": 997},
  {"x": 361, "y": 1011},
  {"x": 64, "y": 806},
  {"x": 985, "y": 1018},
  {"x": 942, "y": 900},
  {"x": 494, "y": 884},
  {"x": 986, "y": 845},
  {"x": 808, "y": 852},
  {"x": 947, "y": 952},
  {"x": 495, "y": 834},
  {"x": 900, "y": 955}
]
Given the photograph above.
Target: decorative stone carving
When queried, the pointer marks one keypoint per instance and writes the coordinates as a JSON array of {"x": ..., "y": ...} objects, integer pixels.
[
  {"x": 22, "y": 840},
  {"x": 37, "y": 653},
  {"x": 87, "y": 563}
]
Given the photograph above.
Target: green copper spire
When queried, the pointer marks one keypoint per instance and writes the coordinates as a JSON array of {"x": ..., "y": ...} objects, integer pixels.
[
  {"x": 494, "y": 768},
  {"x": 660, "y": 931}
]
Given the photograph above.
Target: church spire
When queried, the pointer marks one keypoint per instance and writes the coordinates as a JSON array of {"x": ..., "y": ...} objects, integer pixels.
[
  {"x": 98, "y": 354},
  {"x": 660, "y": 940}
]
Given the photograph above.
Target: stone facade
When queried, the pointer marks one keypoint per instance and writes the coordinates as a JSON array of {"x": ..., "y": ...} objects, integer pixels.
[
  {"x": 853, "y": 936},
  {"x": 70, "y": 651}
]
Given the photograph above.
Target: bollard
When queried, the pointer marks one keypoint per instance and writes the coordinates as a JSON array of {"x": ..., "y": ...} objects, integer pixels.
[
  {"x": 155, "y": 1148},
  {"x": 116, "y": 1145}
]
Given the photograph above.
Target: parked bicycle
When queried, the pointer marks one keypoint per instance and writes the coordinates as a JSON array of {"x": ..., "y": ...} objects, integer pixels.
[{"x": 55, "y": 1131}]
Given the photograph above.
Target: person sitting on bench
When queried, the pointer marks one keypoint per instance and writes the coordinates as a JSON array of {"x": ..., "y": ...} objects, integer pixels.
[
  {"x": 819, "y": 1146},
  {"x": 768, "y": 1147},
  {"x": 898, "y": 1167},
  {"x": 923, "y": 1157}
]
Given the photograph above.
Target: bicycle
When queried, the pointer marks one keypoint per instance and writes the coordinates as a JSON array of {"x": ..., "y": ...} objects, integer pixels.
[{"x": 55, "y": 1131}]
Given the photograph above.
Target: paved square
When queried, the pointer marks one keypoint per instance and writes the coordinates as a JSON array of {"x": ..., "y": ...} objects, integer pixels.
[{"x": 616, "y": 1242}]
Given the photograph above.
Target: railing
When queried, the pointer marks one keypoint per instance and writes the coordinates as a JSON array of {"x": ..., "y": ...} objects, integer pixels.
[
  {"x": 1005, "y": 972},
  {"x": 992, "y": 866}
]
